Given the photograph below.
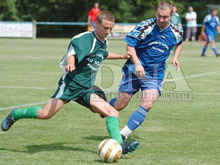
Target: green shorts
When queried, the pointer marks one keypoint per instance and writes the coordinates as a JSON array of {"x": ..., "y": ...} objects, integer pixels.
[{"x": 69, "y": 90}]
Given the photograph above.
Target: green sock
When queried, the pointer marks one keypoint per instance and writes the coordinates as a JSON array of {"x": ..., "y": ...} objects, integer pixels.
[
  {"x": 112, "y": 124},
  {"x": 30, "y": 112}
]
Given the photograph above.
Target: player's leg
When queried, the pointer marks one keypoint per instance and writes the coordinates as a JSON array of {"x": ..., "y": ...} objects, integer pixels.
[
  {"x": 188, "y": 33},
  {"x": 129, "y": 85},
  {"x": 100, "y": 106},
  {"x": 34, "y": 112},
  {"x": 121, "y": 101},
  {"x": 137, "y": 118},
  {"x": 194, "y": 30},
  {"x": 214, "y": 47},
  {"x": 205, "y": 47}
]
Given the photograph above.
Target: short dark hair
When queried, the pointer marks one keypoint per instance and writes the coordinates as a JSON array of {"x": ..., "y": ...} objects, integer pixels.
[
  {"x": 165, "y": 5},
  {"x": 214, "y": 9},
  {"x": 107, "y": 15}
]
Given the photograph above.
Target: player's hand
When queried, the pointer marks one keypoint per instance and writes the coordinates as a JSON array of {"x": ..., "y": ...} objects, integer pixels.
[
  {"x": 70, "y": 68},
  {"x": 203, "y": 34},
  {"x": 176, "y": 64},
  {"x": 139, "y": 69}
]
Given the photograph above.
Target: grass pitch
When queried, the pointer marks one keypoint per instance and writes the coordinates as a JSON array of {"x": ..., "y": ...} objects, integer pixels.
[{"x": 178, "y": 129}]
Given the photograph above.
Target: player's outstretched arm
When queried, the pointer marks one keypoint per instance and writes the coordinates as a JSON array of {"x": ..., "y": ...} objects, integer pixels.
[
  {"x": 117, "y": 56},
  {"x": 218, "y": 29},
  {"x": 138, "y": 67},
  {"x": 176, "y": 62},
  {"x": 70, "y": 64}
]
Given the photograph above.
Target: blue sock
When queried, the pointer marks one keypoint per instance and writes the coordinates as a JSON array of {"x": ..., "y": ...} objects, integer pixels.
[
  {"x": 112, "y": 102},
  {"x": 204, "y": 50},
  {"x": 215, "y": 50},
  {"x": 137, "y": 118}
]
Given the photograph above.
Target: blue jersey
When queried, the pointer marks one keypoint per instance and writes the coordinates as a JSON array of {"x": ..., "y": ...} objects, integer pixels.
[
  {"x": 210, "y": 25},
  {"x": 153, "y": 46}
]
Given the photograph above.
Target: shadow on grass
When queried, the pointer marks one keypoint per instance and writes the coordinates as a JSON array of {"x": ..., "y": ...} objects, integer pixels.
[{"x": 32, "y": 149}]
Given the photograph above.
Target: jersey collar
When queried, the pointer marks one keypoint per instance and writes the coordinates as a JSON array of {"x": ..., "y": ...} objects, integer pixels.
[
  {"x": 103, "y": 42},
  {"x": 161, "y": 30}
]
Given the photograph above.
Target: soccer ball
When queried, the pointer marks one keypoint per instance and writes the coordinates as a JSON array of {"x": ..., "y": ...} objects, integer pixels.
[{"x": 109, "y": 150}]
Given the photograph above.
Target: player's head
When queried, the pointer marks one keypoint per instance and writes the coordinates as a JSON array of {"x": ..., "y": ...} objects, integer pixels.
[
  {"x": 190, "y": 9},
  {"x": 96, "y": 5},
  {"x": 164, "y": 14},
  {"x": 104, "y": 23},
  {"x": 174, "y": 8},
  {"x": 214, "y": 12}
]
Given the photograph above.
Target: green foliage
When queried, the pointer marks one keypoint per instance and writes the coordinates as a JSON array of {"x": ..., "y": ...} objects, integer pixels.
[
  {"x": 130, "y": 11},
  {"x": 8, "y": 10}
]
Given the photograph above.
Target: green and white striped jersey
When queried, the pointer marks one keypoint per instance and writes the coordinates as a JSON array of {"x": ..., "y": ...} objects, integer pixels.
[{"x": 89, "y": 53}]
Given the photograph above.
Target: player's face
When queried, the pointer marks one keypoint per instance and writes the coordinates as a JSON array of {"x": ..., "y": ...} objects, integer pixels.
[
  {"x": 104, "y": 28},
  {"x": 163, "y": 18},
  {"x": 214, "y": 12}
]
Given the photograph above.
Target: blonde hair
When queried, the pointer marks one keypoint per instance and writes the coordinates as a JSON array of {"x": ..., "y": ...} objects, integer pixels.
[{"x": 165, "y": 5}]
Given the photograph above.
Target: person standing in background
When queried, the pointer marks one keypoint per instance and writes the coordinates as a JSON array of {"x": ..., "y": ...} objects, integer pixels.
[
  {"x": 191, "y": 24},
  {"x": 176, "y": 18},
  {"x": 209, "y": 26},
  {"x": 93, "y": 13}
]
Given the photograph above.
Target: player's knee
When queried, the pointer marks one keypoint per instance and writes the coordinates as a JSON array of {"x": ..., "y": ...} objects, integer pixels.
[
  {"x": 113, "y": 113},
  {"x": 147, "y": 105},
  {"x": 120, "y": 106}
]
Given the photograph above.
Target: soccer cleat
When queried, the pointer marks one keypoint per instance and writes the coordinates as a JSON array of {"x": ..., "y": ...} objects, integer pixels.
[
  {"x": 203, "y": 55},
  {"x": 129, "y": 147},
  {"x": 8, "y": 122},
  {"x": 217, "y": 55}
]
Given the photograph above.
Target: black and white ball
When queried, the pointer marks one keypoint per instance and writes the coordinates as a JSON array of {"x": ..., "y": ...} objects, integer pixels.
[{"x": 109, "y": 150}]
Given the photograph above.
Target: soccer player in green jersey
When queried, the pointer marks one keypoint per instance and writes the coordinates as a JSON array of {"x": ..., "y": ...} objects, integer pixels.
[
  {"x": 84, "y": 56},
  {"x": 176, "y": 18}
]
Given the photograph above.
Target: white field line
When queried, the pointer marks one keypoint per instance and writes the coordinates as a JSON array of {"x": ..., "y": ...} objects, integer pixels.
[
  {"x": 20, "y": 87},
  {"x": 24, "y": 105},
  {"x": 192, "y": 76}
]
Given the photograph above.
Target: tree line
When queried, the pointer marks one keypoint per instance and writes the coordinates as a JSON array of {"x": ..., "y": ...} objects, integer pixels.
[{"x": 127, "y": 11}]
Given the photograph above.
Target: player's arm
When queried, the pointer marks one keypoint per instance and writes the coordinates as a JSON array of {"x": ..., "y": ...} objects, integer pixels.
[
  {"x": 70, "y": 63},
  {"x": 218, "y": 29},
  {"x": 117, "y": 56},
  {"x": 177, "y": 52},
  {"x": 203, "y": 30},
  {"x": 139, "y": 69}
]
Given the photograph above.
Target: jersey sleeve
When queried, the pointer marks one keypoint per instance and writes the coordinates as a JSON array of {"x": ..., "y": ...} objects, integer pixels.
[
  {"x": 81, "y": 46},
  {"x": 217, "y": 21},
  {"x": 140, "y": 32},
  {"x": 206, "y": 19}
]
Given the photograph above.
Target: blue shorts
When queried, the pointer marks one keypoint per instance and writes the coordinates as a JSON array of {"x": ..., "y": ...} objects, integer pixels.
[
  {"x": 131, "y": 84},
  {"x": 210, "y": 38}
]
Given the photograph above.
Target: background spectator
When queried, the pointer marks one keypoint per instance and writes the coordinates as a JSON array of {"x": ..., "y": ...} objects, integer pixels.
[{"x": 191, "y": 24}]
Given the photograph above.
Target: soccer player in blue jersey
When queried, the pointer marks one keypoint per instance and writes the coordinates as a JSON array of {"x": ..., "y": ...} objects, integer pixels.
[
  {"x": 209, "y": 27},
  {"x": 150, "y": 43}
]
